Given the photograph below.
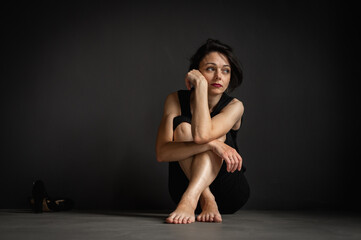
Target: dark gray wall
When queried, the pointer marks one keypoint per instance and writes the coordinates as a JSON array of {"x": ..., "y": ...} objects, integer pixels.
[{"x": 83, "y": 86}]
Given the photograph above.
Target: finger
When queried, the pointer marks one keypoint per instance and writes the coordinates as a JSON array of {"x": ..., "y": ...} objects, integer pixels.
[
  {"x": 235, "y": 164},
  {"x": 187, "y": 83},
  {"x": 198, "y": 73},
  {"x": 232, "y": 162},
  {"x": 235, "y": 167},
  {"x": 194, "y": 71},
  {"x": 228, "y": 162},
  {"x": 239, "y": 163},
  {"x": 237, "y": 159}
]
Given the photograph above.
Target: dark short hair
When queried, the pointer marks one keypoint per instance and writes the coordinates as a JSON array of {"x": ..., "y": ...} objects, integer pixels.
[{"x": 212, "y": 45}]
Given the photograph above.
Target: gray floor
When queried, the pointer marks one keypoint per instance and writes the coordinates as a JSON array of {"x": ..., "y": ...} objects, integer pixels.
[{"x": 246, "y": 224}]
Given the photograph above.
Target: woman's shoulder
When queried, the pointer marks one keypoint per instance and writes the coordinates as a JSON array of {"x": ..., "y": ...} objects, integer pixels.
[
  {"x": 172, "y": 94},
  {"x": 236, "y": 107},
  {"x": 236, "y": 103},
  {"x": 171, "y": 98},
  {"x": 177, "y": 93},
  {"x": 171, "y": 104}
]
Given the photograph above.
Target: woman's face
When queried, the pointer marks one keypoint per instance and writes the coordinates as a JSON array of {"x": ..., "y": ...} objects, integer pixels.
[{"x": 216, "y": 69}]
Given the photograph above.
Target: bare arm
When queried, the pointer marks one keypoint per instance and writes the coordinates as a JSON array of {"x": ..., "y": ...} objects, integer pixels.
[
  {"x": 166, "y": 149},
  {"x": 205, "y": 128}
]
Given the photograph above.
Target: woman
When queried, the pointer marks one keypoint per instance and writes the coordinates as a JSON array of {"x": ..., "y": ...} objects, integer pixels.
[{"x": 197, "y": 136}]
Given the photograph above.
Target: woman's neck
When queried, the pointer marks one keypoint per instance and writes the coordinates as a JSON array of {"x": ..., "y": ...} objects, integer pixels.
[{"x": 213, "y": 100}]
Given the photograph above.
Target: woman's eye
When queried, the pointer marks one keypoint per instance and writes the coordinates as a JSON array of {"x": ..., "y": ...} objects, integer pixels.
[
  {"x": 210, "y": 69},
  {"x": 226, "y": 70}
]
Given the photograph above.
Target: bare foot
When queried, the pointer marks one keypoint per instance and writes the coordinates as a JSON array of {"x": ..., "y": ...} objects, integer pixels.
[
  {"x": 209, "y": 212},
  {"x": 183, "y": 214}
]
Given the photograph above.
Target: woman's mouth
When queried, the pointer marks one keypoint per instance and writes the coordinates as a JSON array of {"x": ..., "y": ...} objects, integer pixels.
[{"x": 217, "y": 85}]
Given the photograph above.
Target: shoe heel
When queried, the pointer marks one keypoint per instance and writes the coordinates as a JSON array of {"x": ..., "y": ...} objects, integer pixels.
[
  {"x": 39, "y": 193},
  {"x": 38, "y": 204}
]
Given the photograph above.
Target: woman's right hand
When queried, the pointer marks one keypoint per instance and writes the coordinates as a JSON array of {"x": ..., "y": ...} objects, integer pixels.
[
  {"x": 228, "y": 154},
  {"x": 193, "y": 78}
]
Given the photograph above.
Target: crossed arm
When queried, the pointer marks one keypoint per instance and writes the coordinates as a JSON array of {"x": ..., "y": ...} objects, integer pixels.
[{"x": 207, "y": 132}]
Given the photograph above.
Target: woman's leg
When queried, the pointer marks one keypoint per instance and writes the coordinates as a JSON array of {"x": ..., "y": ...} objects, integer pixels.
[
  {"x": 208, "y": 203},
  {"x": 201, "y": 170}
]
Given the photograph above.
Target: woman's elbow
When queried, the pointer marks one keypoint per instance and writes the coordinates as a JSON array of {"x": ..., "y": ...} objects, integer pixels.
[
  {"x": 159, "y": 156},
  {"x": 201, "y": 139}
]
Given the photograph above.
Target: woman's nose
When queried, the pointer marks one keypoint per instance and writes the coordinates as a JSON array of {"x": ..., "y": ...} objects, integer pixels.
[{"x": 218, "y": 74}]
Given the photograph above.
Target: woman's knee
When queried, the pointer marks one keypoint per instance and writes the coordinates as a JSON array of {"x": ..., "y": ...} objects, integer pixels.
[
  {"x": 211, "y": 155},
  {"x": 183, "y": 132}
]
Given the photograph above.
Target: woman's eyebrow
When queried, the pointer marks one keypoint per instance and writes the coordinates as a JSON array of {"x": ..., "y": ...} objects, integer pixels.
[{"x": 216, "y": 64}]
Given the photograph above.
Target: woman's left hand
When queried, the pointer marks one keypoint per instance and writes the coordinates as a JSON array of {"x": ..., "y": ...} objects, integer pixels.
[
  {"x": 193, "y": 78},
  {"x": 228, "y": 154}
]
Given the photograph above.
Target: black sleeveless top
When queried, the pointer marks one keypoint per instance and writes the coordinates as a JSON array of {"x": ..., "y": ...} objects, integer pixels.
[{"x": 186, "y": 116}]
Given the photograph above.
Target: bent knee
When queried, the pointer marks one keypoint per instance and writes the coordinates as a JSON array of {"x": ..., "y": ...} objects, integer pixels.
[
  {"x": 183, "y": 132},
  {"x": 214, "y": 158},
  {"x": 211, "y": 155}
]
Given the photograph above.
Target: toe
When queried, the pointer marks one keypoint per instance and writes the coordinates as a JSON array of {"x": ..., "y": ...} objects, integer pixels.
[
  {"x": 170, "y": 218},
  {"x": 176, "y": 219},
  {"x": 218, "y": 218}
]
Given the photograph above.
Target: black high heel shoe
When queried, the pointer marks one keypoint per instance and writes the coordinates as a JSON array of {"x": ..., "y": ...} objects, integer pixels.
[
  {"x": 57, "y": 205},
  {"x": 38, "y": 195},
  {"x": 40, "y": 200}
]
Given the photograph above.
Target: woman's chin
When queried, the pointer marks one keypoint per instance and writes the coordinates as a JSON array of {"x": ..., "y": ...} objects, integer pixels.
[{"x": 215, "y": 91}]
